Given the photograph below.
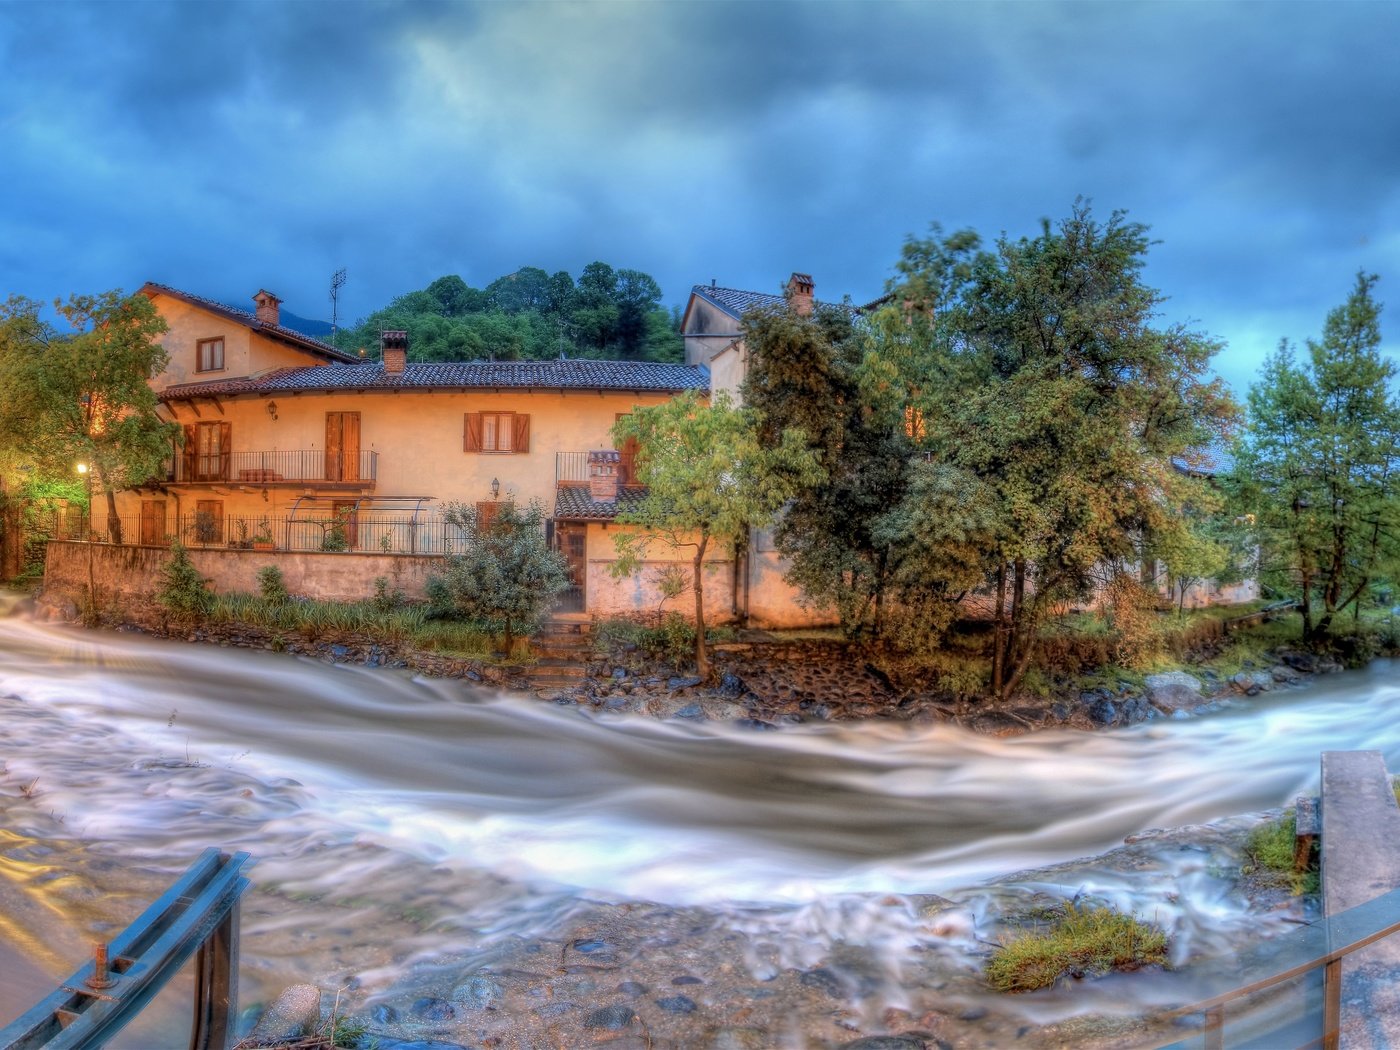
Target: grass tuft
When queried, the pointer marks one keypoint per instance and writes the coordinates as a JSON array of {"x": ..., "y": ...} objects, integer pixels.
[
  {"x": 1082, "y": 941},
  {"x": 1269, "y": 856}
]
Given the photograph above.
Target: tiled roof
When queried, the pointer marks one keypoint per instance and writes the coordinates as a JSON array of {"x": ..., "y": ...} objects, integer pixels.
[
  {"x": 1209, "y": 461},
  {"x": 575, "y": 503},
  {"x": 276, "y": 331},
  {"x": 736, "y": 303},
  {"x": 461, "y": 375}
]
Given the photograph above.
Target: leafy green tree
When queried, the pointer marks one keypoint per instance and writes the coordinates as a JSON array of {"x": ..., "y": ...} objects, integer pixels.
[
  {"x": 505, "y": 575},
  {"x": 182, "y": 593},
  {"x": 709, "y": 477},
  {"x": 1318, "y": 465},
  {"x": 1053, "y": 396},
  {"x": 83, "y": 395}
]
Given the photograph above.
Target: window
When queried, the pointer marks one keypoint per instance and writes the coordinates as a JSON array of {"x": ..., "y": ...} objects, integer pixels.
[
  {"x": 488, "y": 512},
  {"x": 210, "y": 355},
  {"x": 209, "y": 521},
  {"x": 496, "y": 432}
]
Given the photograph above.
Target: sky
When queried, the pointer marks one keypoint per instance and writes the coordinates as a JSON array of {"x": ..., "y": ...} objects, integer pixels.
[{"x": 223, "y": 148}]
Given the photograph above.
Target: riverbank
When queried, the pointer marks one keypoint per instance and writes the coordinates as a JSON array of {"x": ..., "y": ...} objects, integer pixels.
[{"x": 764, "y": 682}]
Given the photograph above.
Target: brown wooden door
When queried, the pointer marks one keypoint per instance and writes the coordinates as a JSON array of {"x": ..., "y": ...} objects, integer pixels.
[
  {"x": 572, "y": 540},
  {"x": 153, "y": 522},
  {"x": 627, "y": 458},
  {"x": 209, "y": 521},
  {"x": 347, "y": 520},
  {"x": 342, "y": 446}
]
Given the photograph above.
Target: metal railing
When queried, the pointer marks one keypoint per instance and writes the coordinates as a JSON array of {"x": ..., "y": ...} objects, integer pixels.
[
  {"x": 199, "y": 913},
  {"x": 274, "y": 468},
  {"x": 360, "y": 533},
  {"x": 1321, "y": 946},
  {"x": 571, "y": 468}
]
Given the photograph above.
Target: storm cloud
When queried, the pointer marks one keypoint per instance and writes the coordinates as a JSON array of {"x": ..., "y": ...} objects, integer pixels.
[{"x": 223, "y": 148}]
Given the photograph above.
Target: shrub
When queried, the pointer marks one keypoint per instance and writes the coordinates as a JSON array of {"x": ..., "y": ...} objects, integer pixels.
[
  {"x": 1269, "y": 853},
  {"x": 272, "y": 587},
  {"x": 385, "y": 600},
  {"x": 182, "y": 592},
  {"x": 1084, "y": 941}
]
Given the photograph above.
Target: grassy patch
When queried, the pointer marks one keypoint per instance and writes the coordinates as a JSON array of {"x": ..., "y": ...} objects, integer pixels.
[
  {"x": 1269, "y": 856},
  {"x": 1083, "y": 941}
]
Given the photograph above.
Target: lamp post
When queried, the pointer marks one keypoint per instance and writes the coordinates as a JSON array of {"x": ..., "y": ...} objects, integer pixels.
[{"x": 85, "y": 469}]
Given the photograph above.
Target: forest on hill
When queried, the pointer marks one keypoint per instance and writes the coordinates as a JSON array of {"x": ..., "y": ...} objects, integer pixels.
[{"x": 529, "y": 315}]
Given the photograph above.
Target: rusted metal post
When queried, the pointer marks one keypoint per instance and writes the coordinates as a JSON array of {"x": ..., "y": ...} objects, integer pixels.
[
  {"x": 1215, "y": 1028},
  {"x": 216, "y": 986},
  {"x": 99, "y": 978},
  {"x": 1331, "y": 1004}
]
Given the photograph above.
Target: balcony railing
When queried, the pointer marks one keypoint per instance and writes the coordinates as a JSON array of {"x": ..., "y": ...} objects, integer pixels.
[
  {"x": 297, "y": 467},
  {"x": 571, "y": 468}
]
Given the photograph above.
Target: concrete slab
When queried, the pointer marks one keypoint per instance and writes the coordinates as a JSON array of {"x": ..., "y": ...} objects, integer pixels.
[{"x": 1361, "y": 861}]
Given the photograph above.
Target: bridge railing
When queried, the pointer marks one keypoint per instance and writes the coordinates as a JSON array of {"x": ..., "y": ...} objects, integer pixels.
[
  {"x": 199, "y": 913},
  {"x": 1228, "y": 983}
]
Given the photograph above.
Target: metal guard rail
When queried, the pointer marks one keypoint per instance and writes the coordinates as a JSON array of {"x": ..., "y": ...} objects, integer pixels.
[
  {"x": 198, "y": 913},
  {"x": 1321, "y": 946}
]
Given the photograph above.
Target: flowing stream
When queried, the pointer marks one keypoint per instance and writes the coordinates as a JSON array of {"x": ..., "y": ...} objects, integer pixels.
[{"x": 395, "y": 817}]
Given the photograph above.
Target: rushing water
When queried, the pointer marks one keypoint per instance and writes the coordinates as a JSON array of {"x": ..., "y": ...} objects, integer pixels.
[{"x": 427, "y": 811}]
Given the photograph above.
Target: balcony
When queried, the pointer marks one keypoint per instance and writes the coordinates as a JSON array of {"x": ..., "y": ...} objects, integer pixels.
[
  {"x": 571, "y": 468},
  {"x": 348, "y": 470}
]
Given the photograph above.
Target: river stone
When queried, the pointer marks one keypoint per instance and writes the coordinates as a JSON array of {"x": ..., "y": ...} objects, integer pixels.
[
  {"x": 431, "y": 1008},
  {"x": 1304, "y": 662},
  {"x": 632, "y": 988},
  {"x": 383, "y": 1014},
  {"x": 823, "y": 980},
  {"x": 1174, "y": 691},
  {"x": 556, "y": 1009},
  {"x": 1103, "y": 712},
  {"x": 887, "y": 1042},
  {"x": 1136, "y": 709},
  {"x": 683, "y": 683},
  {"x": 610, "y": 1018},
  {"x": 687, "y": 979},
  {"x": 295, "y": 1015},
  {"x": 753, "y": 723},
  {"x": 479, "y": 992},
  {"x": 1284, "y": 674},
  {"x": 692, "y": 711},
  {"x": 730, "y": 684},
  {"x": 677, "y": 1004}
]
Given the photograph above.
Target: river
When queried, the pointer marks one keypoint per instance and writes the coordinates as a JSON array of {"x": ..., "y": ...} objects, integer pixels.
[{"x": 396, "y": 819}]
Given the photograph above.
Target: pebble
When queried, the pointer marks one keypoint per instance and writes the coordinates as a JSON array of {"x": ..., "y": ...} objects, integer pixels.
[
  {"x": 478, "y": 993},
  {"x": 823, "y": 980},
  {"x": 430, "y": 1008},
  {"x": 632, "y": 988},
  {"x": 610, "y": 1018},
  {"x": 677, "y": 1004}
]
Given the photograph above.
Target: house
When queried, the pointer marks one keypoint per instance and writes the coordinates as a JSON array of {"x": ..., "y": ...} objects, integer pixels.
[{"x": 292, "y": 443}]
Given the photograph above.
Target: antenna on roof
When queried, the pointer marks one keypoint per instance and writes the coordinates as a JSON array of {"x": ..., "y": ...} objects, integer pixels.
[{"x": 337, "y": 280}]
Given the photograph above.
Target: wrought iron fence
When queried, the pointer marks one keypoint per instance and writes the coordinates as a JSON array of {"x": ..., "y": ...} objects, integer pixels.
[{"x": 361, "y": 533}]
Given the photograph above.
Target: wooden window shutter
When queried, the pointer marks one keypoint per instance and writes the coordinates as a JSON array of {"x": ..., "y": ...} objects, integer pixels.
[
  {"x": 191, "y": 450},
  {"x": 522, "y": 432},
  {"x": 472, "y": 430},
  {"x": 225, "y": 449}
]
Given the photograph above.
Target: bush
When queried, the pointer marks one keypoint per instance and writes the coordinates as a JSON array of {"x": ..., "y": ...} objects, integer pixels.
[
  {"x": 182, "y": 592},
  {"x": 1083, "y": 941},
  {"x": 1269, "y": 853},
  {"x": 384, "y": 599},
  {"x": 272, "y": 588}
]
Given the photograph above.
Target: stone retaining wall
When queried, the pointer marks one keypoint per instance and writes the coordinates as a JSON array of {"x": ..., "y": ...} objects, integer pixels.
[{"x": 134, "y": 571}]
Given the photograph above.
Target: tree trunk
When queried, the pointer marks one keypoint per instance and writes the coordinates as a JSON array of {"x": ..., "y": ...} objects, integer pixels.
[
  {"x": 114, "y": 523},
  {"x": 999, "y": 631},
  {"x": 702, "y": 656}
]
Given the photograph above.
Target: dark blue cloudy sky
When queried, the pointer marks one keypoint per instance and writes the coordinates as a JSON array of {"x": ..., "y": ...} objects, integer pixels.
[{"x": 225, "y": 147}]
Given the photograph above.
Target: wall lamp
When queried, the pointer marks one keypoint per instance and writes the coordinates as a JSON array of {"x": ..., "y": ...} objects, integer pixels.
[
  {"x": 495, "y": 488},
  {"x": 272, "y": 409}
]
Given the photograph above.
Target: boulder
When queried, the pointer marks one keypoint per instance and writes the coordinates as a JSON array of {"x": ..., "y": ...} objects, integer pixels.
[
  {"x": 1102, "y": 712},
  {"x": 295, "y": 1015},
  {"x": 1174, "y": 691}
]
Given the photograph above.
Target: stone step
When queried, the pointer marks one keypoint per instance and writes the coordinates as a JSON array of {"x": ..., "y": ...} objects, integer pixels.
[
  {"x": 1360, "y": 862},
  {"x": 555, "y": 668}
]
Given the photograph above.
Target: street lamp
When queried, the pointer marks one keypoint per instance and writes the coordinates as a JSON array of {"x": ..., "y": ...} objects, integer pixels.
[{"x": 85, "y": 469}]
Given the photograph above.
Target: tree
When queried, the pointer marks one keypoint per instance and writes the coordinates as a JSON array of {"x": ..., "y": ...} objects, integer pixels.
[
  {"x": 1057, "y": 405},
  {"x": 83, "y": 396},
  {"x": 1318, "y": 465},
  {"x": 709, "y": 478},
  {"x": 505, "y": 576}
]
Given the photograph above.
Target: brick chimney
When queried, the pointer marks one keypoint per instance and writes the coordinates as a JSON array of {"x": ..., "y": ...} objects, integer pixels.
[
  {"x": 799, "y": 293},
  {"x": 393, "y": 348},
  {"x": 267, "y": 307},
  {"x": 603, "y": 475}
]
